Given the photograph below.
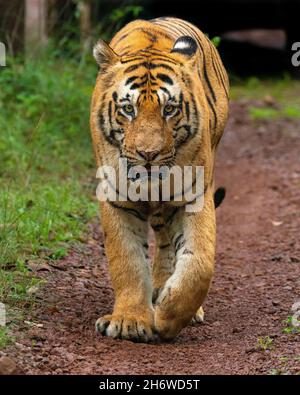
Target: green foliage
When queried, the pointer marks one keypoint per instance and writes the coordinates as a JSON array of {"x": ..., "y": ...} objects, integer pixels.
[
  {"x": 289, "y": 328},
  {"x": 216, "y": 41},
  {"x": 283, "y": 90},
  {"x": 4, "y": 338},
  {"x": 264, "y": 343},
  {"x": 46, "y": 164},
  {"x": 291, "y": 111},
  {"x": 114, "y": 18},
  {"x": 277, "y": 98},
  {"x": 263, "y": 113},
  {"x": 270, "y": 113}
]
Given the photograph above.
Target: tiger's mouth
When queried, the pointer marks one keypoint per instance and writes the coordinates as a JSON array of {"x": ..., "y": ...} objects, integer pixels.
[{"x": 147, "y": 171}]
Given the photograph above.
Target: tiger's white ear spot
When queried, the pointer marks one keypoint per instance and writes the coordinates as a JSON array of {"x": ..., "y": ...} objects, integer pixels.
[
  {"x": 185, "y": 45},
  {"x": 104, "y": 54}
]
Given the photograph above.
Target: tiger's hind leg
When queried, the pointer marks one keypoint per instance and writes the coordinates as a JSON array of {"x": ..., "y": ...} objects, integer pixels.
[
  {"x": 193, "y": 237},
  {"x": 164, "y": 258}
]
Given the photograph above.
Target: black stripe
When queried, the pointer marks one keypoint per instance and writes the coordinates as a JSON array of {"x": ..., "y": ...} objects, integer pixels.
[
  {"x": 104, "y": 130},
  {"x": 160, "y": 56},
  {"x": 157, "y": 227},
  {"x": 187, "y": 110},
  {"x": 166, "y": 91},
  {"x": 132, "y": 59},
  {"x": 158, "y": 99},
  {"x": 179, "y": 242},
  {"x": 213, "y": 111},
  {"x": 122, "y": 38},
  {"x": 171, "y": 216},
  {"x": 133, "y": 67},
  {"x": 166, "y": 24},
  {"x": 110, "y": 112},
  {"x": 221, "y": 71},
  {"x": 157, "y": 214},
  {"x": 131, "y": 79},
  {"x": 163, "y": 246},
  {"x": 164, "y": 66},
  {"x": 195, "y": 111},
  {"x": 138, "y": 85},
  {"x": 115, "y": 96},
  {"x": 131, "y": 211},
  {"x": 165, "y": 78},
  {"x": 185, "y": 126},
  {"x": 121, "y": 114}
]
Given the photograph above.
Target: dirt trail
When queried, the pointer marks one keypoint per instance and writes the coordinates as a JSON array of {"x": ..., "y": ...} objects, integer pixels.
[{"x": 256, "y": 282}]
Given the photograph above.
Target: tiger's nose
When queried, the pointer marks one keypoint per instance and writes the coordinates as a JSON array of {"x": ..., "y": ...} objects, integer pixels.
[{"x": 148, "y": 155}]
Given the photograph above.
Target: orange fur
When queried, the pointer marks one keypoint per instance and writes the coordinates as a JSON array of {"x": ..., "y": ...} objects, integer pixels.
[{"x": 149, "y": 67}]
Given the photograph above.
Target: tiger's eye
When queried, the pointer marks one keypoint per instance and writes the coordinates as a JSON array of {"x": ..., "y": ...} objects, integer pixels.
[
  {"x": 128, "y": 108},
  {"x": 168, "y": 109}
]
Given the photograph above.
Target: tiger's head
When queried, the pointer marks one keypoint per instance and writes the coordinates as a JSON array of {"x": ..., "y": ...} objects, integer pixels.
[{"x": 144, "y": 101}]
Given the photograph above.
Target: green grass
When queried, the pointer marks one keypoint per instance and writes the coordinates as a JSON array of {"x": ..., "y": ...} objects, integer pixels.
[
  {"x": 264, "y": 343},
  {"x": 282, "y": 92},
  {"x": 4, "y": 337},
  {"x": 47, "y": 169},
  {"x": 270, "y": 113},
  {"x": 263, "y": 113},
  {"x": 289, "y": 328}
]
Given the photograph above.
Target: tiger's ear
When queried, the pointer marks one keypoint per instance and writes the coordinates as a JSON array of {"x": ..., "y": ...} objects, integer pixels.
[
  {"x": 104, "y": 54},
  {"x": 185, "y": 45}
]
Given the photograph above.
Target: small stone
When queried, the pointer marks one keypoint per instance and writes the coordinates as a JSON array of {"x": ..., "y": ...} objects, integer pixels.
[
  {"x": 32, "y": 290},
  {"x": 294, "y": 259},
  {"x": 269, "y": 100},
  {"x": 236, "y": 330},
  {"x": 250, "y": 350},
  {"x": 275, "y": 302}
]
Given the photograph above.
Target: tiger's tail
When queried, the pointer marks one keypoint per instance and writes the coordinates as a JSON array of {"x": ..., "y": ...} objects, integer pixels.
[{"x": 219, "y": 196}]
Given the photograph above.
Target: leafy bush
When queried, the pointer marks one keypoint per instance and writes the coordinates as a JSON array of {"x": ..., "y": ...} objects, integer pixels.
[{"x": 46, "y": 162}]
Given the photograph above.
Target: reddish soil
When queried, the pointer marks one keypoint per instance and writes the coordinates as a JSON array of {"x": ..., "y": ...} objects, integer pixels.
[{"x": 257, "y": 278}]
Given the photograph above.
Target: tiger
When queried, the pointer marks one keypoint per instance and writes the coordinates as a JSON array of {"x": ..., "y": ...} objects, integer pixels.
[{"x": 160, "y": 98}]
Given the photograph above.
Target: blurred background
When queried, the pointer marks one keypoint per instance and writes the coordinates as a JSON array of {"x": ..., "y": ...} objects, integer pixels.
[
  {"x": 255, "y": 35},
  {"x": 47, "y": 170}
]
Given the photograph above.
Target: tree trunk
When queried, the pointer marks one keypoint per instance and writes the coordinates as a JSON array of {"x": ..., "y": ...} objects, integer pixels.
[
  {"x": 84, "y": 7},
  {"x": 35, "y": 25}
]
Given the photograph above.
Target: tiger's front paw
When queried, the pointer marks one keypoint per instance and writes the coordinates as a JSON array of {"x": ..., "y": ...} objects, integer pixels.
[
  {"x": 127, "y": 326},
  {"x": 198, "y": 317}
]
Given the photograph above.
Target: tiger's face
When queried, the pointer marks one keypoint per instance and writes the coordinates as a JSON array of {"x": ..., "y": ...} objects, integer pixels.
[{"x": 145, "y": 106}]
